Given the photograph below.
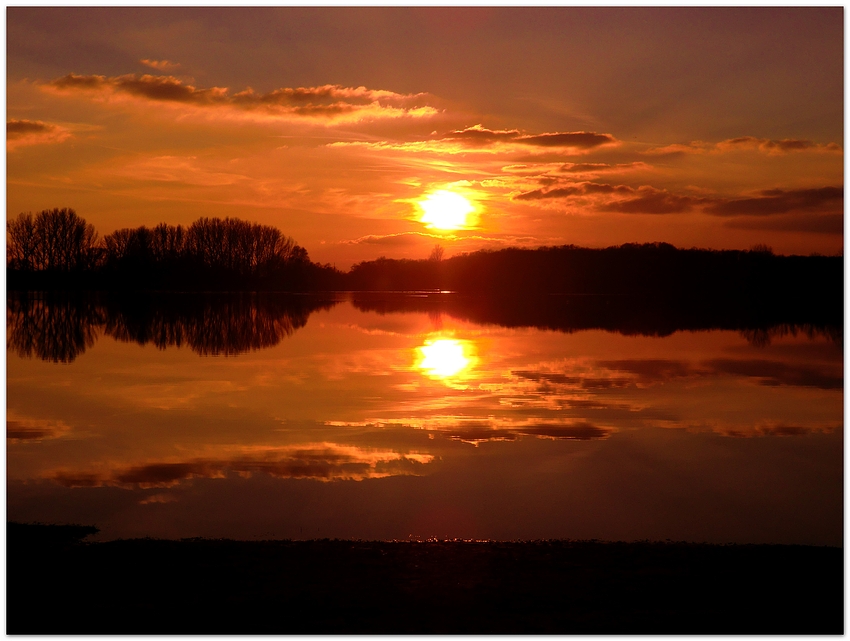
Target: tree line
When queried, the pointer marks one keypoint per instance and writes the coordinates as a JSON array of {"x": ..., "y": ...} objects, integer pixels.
[
  {"x": 650, "y": 269},
  {"x": 58, "y": 247}
]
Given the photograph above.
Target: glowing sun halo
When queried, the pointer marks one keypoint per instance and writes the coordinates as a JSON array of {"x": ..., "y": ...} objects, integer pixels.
[
  {"x": 445, "y": 357},
  {"x": 445, "y": 210}
]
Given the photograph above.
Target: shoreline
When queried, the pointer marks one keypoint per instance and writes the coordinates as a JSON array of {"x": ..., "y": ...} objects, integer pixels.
[{"x": 212, "y": 586}]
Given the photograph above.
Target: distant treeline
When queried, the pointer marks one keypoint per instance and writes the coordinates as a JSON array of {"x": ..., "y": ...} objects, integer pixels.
[
  {"x": 58, "y": 249},
  {"x": 631, "y": 269}
]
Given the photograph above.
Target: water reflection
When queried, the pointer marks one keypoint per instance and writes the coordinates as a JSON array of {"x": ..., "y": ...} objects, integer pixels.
[
  {"x": 317, "y": 461},
  {"x": 443, "y": 358},
  {"x": 362, "y": 423},
  {"x": 60, "y": 327},
  {"x": 757, "y": 321},
  {"x": 56, "y": 327}
]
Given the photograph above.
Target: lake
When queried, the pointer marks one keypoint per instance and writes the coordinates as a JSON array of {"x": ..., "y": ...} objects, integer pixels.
[{"x": 420, "y": 416}]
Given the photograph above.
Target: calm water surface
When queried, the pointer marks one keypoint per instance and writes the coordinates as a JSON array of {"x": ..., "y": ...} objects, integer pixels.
[{"x": 335, "y": 421}]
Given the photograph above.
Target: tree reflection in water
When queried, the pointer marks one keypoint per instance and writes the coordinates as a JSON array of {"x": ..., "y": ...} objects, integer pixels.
[
  {"x": 757, "y": 321},
  {"x": 53, "y": 327},
  {"x": 59, "y": 327}
]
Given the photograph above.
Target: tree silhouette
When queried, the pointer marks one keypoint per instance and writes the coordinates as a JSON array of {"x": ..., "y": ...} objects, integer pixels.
[{"x": 54, "y": 240}]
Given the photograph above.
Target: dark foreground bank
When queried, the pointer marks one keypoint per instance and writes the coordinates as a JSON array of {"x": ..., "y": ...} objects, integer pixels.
[{"x": 57, "y": 584}]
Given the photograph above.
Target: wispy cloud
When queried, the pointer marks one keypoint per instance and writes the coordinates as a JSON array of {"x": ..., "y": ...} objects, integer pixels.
[
  {"x": 160, "y": 65},
  {"x": 327, "y": 103},
  {"x": 480, "y": 136},
  {"x": 651, "y": 200},
  {"x": 764, "y": 145},
  {"x": 780, "y": 201},
  {"x": 321, "y": 461},
  {"x": 29, "y": 429},
  {"x": 483, "y": 140},
  {"x": 21, "y": 133}
]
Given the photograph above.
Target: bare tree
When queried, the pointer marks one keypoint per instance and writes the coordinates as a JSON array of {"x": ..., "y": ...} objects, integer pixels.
[
  {"x": 21, "y": 242},
  {"x": 55, "y": 239}
]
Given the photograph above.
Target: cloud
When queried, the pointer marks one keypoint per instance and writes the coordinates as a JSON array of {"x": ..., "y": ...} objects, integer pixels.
[
  {"x": 322, "y": 461},
  {"x": 653, "y": 201},
  {"x": 764, "y": 145},
  {"x": 328, "y": 103},
  {"x": 21, "y": 133},
  {"x": 546, "y": 379},
  {"x": 643, "y": 200},
  {"x": 814, "y": 223},
  {"x": 160, "y": 65},
  {"x": 481, "y": 136},
  {"x": 774, "y": 373},
  {"x": 35, "y": 429},
  {"x": 677, "y": 149},
  {"x": 599, "y": 167},
  {"x": 574, "y": 139},
  {"x": 483, "y": 140},
  {"x": 398, "y": 240},
  {"x": 777, "y": 429},
  {"x": 651, "y": 370},
  {"x": 779, "y": 201},
  {"x": 827, "y": 201},
  {"x": 574, "y": 189},
  {"x": 478, "y": 430}
]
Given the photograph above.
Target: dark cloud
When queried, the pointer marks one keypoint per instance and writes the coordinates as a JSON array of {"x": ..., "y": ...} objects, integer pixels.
[
  {"x": 544, "y": 194},
  {"x": 480, "y": 431},
  {"x": 19, "y": 128},
  {"x": 33, "y": 430},
  {"x": 480, "y": 136},
  {"x": 785, "y": 145},
  {"x": 651, "y": 370},
  {"x": 774, "y": 373},
  {"x": 74, "y": 81},
  {"x": 574, "y": 431},
  {"x": 324, "y": 101},
  {"x": 653, "y": 201},
  {"x": 577, "y": 139},
  {"x": 574, "y": 189},
  {"x": 584, "y": 382},
  {"x": 780, "y": 430},
  {"x": 600, "y": 167},
  {"x": 21, "y": 133},
  {"x": 309, "y": 463},
  {"x": 779, "y": 201},
  {"x": 586, "y": 167},
  {"x": 806, "y": 222}
]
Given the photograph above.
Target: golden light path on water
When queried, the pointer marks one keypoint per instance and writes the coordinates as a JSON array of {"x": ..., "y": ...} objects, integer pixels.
[
  {"x": 363, "y": 424},
  {"x": 445, "y": 357}
]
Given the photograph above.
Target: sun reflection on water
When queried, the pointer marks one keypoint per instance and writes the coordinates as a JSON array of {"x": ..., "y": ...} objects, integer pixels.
[{"x": 445, "y": 357}]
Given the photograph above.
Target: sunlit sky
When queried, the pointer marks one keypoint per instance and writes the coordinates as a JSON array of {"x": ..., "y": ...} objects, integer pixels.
[{"x": 707, "y": 127}]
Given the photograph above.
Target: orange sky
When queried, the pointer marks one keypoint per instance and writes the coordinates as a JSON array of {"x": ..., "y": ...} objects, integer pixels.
[{"x": 719, "y": 127}]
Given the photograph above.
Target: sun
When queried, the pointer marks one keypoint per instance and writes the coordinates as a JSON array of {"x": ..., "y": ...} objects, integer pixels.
[
  {"x": 445, "y": 210},
  {"x": 445, "y": 357}
]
